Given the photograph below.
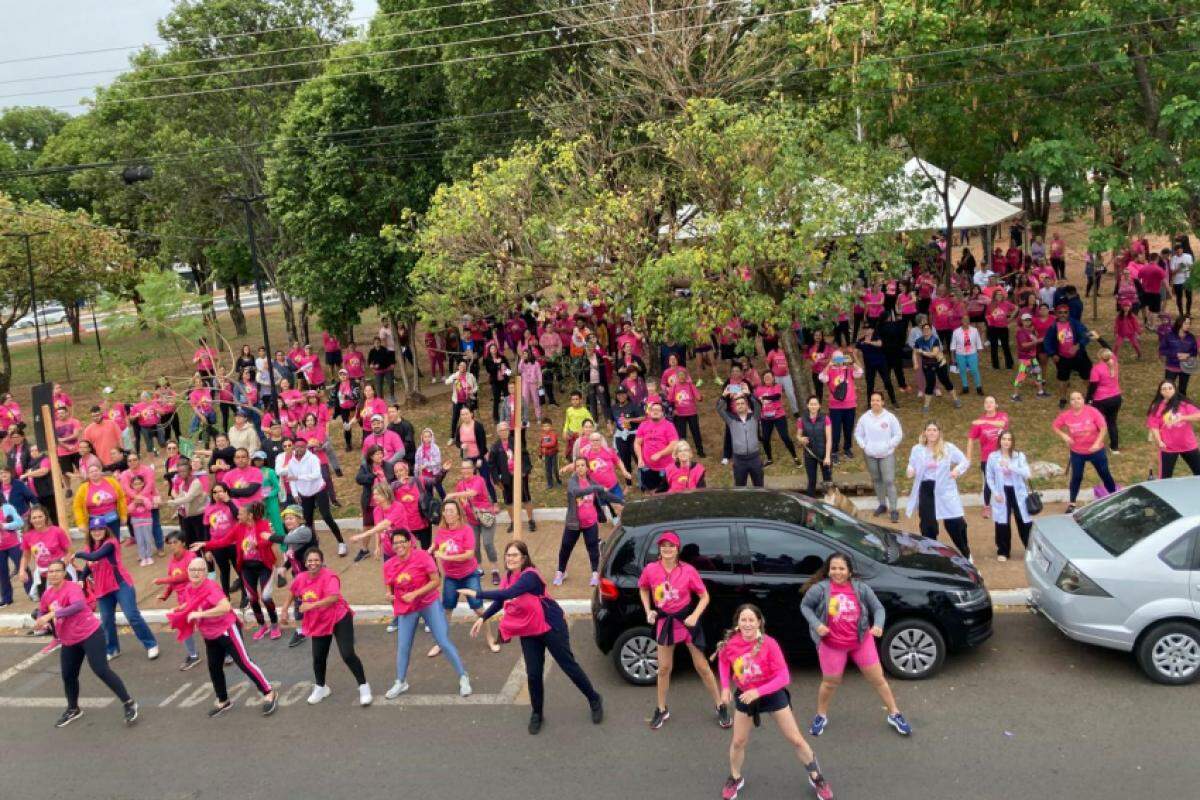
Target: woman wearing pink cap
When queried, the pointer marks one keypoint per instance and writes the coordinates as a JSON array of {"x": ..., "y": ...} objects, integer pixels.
[
  {"x": 674, "y": 598},
  {"x": 754, "y": 677}
]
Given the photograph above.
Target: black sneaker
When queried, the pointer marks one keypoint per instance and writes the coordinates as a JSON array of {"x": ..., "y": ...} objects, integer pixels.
[
  {"x": 979, "y": 391},
  {"x": 597, "y": 707},
  {"x": 535, "y": 724},
  {"x": 68, "y": 716},
  {"x": 131, "y": 712},
  {"x": 661, "y": 715},
  {"x": 724, "y": 719},
  {"x": 189, "y": 662},
  {"x": 495, "y": 577},
  {"x": 532, "y": 525},
  {"x": 270, "y": 704},
  {"x": 296, "y": 640},
  {"x": 363, "y": 553},
  {"x": 880, "y": 510},
  {"x": 218, "y": 710}
]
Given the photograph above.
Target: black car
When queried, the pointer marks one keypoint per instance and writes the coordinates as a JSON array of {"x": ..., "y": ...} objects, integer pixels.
[{"x": 760, "y": 546}]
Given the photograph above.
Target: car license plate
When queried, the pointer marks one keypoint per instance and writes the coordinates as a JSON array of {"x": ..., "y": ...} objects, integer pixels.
[{"x": 1042, "y": 560}]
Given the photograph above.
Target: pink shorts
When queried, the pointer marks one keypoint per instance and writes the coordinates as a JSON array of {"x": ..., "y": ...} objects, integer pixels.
[{"x": 833, "y": 658}]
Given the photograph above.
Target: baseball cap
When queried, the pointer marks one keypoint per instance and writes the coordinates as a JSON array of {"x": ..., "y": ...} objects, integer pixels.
[{"x": 668, "y": 536}]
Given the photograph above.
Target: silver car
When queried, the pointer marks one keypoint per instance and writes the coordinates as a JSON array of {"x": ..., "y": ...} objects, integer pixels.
[{"x": 1124, "y": 573}]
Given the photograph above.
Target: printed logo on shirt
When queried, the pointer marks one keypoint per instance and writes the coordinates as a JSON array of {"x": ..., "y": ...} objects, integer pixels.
[
  {"x": 746, "y": 668},
  {"x": 841, "y": 604},
  {"x": 665, "y": 593},
  {"x": 309, "y": 596}
]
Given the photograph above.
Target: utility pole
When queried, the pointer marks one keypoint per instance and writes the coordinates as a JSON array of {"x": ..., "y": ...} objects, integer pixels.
[
  {"x": 247, "y": 202},
  {"x": 37, "y": 331}
]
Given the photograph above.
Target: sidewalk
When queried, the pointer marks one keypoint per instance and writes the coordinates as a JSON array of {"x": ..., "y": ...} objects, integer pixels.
[{"x": 362, "y": 585}]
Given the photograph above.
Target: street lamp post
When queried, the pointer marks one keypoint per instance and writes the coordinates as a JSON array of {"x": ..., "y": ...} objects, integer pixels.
[
  {"x": 247, "y": 202},
  {"x": 37, "y": 331}
]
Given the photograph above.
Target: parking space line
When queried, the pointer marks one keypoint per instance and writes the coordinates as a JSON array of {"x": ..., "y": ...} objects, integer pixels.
[
  {"x": 16, "y": 669},
  {"x": 53, "y": 702},
  {"x": 21, "y": 640},
  {"x": 175, "y": 694}
]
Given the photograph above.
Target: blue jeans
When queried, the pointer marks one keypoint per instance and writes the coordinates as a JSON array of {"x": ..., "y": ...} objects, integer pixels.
[
  {"x": 14, "y": 554},
  {"x": 127, "y": 599},
  {"x": 450, "y": 587},
  {"x": 406, "y": 629},
  {"x": 968, "y": 364},
  {"x": 1099, "y": 460}
]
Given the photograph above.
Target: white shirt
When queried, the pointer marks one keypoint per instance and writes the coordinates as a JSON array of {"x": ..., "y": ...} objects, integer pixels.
[
  {"x": 1181, "y": 268},
  {"x": 982, "y": 277},
  {"x": 878, "y": 434},
  {"x": 970, "y": 344},
  {"x": 305, "y": 474}
]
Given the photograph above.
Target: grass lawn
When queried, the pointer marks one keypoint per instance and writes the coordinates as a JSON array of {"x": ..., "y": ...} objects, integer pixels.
[{"x": 83, "y": 372}]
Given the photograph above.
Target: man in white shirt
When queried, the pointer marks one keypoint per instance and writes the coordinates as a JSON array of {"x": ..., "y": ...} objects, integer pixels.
[
  {"x": 982, "y": 276},
  {"x": 965, "y": 344},
  {"x": 878, "y": 434},
  {"x": 303, "y": 472},
  {"x": 1181, "y": 273}
]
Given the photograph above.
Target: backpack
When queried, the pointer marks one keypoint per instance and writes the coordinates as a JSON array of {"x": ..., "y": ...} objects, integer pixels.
[{"x": 430, "y": 506}]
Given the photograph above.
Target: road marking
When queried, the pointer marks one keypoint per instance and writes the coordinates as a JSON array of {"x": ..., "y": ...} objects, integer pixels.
[
  {"x": 22, "y": 640},
  {"x": 515, "y": 686},
  {"x": 196, "y": 697},
  {"x": 294, "y": 693},
  {"x": 175, "y": 694},
  {"x": 21, "y": 666},
  {"x": 53, "y": 702}
]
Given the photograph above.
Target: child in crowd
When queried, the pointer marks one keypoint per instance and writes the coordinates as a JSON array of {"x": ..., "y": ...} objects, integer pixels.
[{"x": 548, "y": 447}]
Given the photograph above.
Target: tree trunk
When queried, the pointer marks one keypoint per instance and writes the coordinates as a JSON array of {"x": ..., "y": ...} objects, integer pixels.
[
  {"x": 72, "y": 312},
  {"x": 289, "y": 316},
  {"x": 400, "y": 366},
  {"x": 303, "y": 338},
  {"x": 801, "y": 374},
  {"x": 233, "y": 304},
  {"x": 5, "y": 362}
]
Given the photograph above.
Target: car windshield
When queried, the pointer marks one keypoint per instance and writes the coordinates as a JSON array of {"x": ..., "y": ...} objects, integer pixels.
[
  {"x": 863, "y": 537},
  {"x": 1120, "y": 521}
]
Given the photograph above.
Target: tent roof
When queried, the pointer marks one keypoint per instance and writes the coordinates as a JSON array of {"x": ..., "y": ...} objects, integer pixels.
[{"x": 980, "y": 209}]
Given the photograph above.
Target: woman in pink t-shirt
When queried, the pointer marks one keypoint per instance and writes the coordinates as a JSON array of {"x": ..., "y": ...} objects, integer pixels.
[
  {"x": 840, "y": 375},
  {"x": 1170, "y": 422},
  {"x": 64, "y": 610},
  {"x": 844, "y": 619},
  {"x": 674, "y": 598},
  {"x": 1104, "y": 394},
  {"x": 456, "y": 550},
  {"x": 684, "y": 474},
  {"x": 1083, "y": 429}
]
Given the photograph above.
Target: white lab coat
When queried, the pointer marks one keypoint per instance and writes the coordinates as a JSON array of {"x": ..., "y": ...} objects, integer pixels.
[
  {"x": 1019, "y": 468},
  {"x": 945, "y": 489}
]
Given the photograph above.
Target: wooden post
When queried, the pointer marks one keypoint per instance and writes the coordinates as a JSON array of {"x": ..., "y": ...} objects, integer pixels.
[
  {"x": 518, "y": 476},
  {"x": 60, "y": 493}
]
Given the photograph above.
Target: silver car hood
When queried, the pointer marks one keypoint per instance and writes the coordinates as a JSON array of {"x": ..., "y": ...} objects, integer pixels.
[{"x": 1064, "y": 535}]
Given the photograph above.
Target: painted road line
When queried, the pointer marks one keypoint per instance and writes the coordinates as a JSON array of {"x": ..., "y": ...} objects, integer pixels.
[
  {"x": 54, "y": 702},
  {"x": 22, "y": 640},
  {"x": 20, "y": 667},
  {"x": 516, "y": 684},
  {"x": 171, "y": 697}
]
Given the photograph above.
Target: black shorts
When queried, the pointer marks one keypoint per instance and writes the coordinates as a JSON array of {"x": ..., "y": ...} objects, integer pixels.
[
  {"x": 728, "y": 352},
  {"x": 1152, "y": 301},
  {"x": 977, "y": 319},
  {"x": 507, "y": 487},
  {"x": 1080, "y": 364},
  {"x": 775, "y": 701},
  {"x": 334, "y": 359}
]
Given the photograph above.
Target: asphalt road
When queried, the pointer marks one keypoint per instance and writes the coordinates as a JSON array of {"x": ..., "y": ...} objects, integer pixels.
[{"x": 1028, "y": 715}]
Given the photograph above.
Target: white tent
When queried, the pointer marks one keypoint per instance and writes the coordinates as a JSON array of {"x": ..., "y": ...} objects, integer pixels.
[{"x": 976, "y": 208}]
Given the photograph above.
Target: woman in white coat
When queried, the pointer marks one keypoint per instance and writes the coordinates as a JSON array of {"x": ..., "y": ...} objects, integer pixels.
[
  {"x": 935, "y": 465},
  {"x": 1007, "y": 474}
]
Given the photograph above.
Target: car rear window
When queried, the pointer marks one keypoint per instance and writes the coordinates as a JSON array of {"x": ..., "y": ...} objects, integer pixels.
[
  {"x": 862, "y": 537},
  {"x": 1120, "y": 521}
]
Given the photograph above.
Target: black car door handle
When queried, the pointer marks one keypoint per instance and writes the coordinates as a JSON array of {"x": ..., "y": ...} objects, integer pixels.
[{"x": 760, "y": 592}]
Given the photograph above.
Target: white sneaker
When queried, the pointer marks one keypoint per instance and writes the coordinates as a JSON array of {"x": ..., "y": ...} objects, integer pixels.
[
  {"x": 319, "y": 693},
  {"x": 724, "y": 462},
  {"x": 398, "y": 688},
  {"x": 152, "y": 653},
  {"x": 391, "y": 628},
  {"x": 342, "y": 549},
  {"x": 616, "y": 521},
  {"x": 464, "y": 686},
  {"x": 1002, "y": 558},
  {"x": 364, "y": 695}
]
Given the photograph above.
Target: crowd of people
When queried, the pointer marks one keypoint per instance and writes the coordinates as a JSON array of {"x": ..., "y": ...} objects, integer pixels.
[{"x": 262, "y": 451}]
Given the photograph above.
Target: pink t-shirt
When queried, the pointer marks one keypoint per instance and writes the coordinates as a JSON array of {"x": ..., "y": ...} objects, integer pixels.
[
  {"x": 408, "y": 498},
  {"x": 1177, "y": 435},
  {"x": 209, "y": 595},
  {"x": 765, "y": 670},
  {"x": 454, "y": 542},
  {"x": 586, "y": 507},
  {"x": 394, "y": 515},
  {"x": 309, "y": 589},
  {"x": 1106, "y": 380},
  {"x": 684, "y": 396},
  {"x": 353, "y": 362},
  {"x": 777, "y": 362},
  {"x": 986, "y": 430},
  {"x": 681, "y": 480},
  {"x": 242, "y": 477},
  {"x": 1152, "y": 276},
  {"x": 602, "y": 465},
  {"x": 835, "y": 376},
  {"x": 671, "y": 591},
  {"x": 466, "y": 436},
  {"x": 77, "y": 627},
  {"x": 46, "y": 545},
  {"x": 1082, "y": 426},
  {"x": 101, "y": 497},
  {"x": 407, "y": 575},
  {"x": 201, "y": 400},
  {"x": 1000, "y": 314},
  {"x": 1067, "y": 346},
  {"x": 942, "y": 310},
  {"x": 220, "y": 521},
  {"x": 843, "y": 615},
  {"x": 656, "y": 435},
  {"x": 771, "y": 398},
  {"x": 478, "y": 499}
]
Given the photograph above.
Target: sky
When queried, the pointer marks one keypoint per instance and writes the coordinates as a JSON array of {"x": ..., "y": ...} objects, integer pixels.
[{"x": 52, "y": 27}]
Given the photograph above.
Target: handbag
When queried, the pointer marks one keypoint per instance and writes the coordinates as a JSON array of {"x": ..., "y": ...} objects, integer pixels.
[
  {"x": 486, "y": 518},
  {"x": 1033, "y": 503}
]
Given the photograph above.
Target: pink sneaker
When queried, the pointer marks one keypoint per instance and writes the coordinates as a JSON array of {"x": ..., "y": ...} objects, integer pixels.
[
  {"x": 275, "y": 632},
  {"x": 731, "y": 788},
  {"x": 821, "y": 787},
  {"x": 261, "y": 632}
]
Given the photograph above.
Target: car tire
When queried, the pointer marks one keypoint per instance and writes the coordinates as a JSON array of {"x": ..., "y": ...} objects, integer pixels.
[
  {"x": 1169, "y": 653},
  {"x": 635, "y": 655},
  {"x": 912, "y": 649}
]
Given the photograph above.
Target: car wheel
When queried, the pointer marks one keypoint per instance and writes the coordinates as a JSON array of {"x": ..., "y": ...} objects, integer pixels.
[
  {"x": 912, "y": 649},
  {"x": 1170, "y": 653},
  {"x": 635, "y": 654}
]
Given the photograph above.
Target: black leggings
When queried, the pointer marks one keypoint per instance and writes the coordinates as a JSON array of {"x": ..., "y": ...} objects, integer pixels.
[
  {"x": 343, "y": 632},
  {"x": 591, "y": 540},
  {"x": 1004, "y": 529},
  {"x": 881, "y": 371},
  {"x": 810, "y": 470},
  {"x": 225, "y": 559},
  {"x": 927, "y": 513},
  {"x": 346, "y": 415},
  {"x": 71, "y": 660},
  {"x": 256, "y": 575},
  {"x": 1110, "y": 407},
  {"x": 319, "y": 502},
  {"x": 999, "y": 339},
  {"x": 690, "y": 423},
  {"x": 1191, "y": 458},
  {"x": 193, "y": 530},
  {"x": 232, "y": 644},
  {"x": 769, "y": 426},
  {"x": 895, "y": 365},
  {"x": 557, "y": 641},
  {"x": 1180, "y": 379}
]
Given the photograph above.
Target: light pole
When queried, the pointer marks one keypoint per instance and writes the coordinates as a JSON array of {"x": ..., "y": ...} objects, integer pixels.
[
  {"x": 37, "y": 331},
  {"x": 247, "y": 202}
]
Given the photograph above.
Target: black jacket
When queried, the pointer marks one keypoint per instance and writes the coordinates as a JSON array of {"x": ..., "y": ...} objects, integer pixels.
[
  {"x": 366, "y": 479},
  {"x": 497, "y": 458}
]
